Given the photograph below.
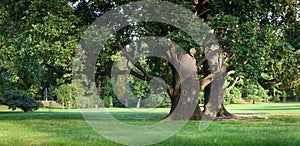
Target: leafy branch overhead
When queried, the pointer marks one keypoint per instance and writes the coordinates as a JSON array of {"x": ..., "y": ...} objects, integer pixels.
[{"x": 259, "y": 41}]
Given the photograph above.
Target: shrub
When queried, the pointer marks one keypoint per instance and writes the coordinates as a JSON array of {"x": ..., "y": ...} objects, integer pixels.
[
  {"x": 108, "y": 101},
  {"x": 257, "y": 93},
  {"x": 19, "y": 99},
  {"x": 233, "y": 96}
]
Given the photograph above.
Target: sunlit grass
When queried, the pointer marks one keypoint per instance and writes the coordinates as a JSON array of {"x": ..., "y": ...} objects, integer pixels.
[
  {"x": 68, "y": 127},
  {"x": 266, "y": 108}
]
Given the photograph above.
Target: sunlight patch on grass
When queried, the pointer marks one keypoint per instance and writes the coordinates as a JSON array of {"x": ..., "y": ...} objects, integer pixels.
[{"x": 68, "y": 127}]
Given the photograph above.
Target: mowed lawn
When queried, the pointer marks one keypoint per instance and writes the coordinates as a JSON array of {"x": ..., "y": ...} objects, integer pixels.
[{"x": 267, "y": 124}]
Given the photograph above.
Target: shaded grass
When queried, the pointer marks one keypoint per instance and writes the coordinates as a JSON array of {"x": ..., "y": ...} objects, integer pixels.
[
  {"x": 248, "y": 132},
  {"x": 63, "y": 127}
]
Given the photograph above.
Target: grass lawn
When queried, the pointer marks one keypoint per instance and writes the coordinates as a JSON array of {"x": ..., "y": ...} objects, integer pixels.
[{"x": 275, "y": 124}]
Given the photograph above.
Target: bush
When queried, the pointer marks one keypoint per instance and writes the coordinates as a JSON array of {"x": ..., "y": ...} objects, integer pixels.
[
  {"x": 233, "y": 96},
  {"x": 19, "y": 99},
  {"x": 108, "y": 101},
  {"x": 257, "y": 93}
]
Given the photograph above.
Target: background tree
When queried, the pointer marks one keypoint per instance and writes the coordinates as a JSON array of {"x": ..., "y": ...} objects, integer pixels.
[
  {"x": 259, "y": 40},
  {"x": 252, "y": 36},
  {"x": 65, "y": 95},
  {"x": 37, "y": 40}
]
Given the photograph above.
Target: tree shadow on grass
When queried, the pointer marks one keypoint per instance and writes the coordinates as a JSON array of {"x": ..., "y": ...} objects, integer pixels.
[{"x": 18, "y": 115}]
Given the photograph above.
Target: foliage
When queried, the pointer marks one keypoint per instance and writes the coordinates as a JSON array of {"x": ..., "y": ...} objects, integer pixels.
[
  {"x": 77, "y": 94},
  {"x": 233, "y": 96},
  {"x": 88, "y": 102},
  {"x": 127, "y": 90},
  {"x": 107, "y": 101},
  {"x": 135, "y": 89},
  {"x": 38, "y": 39},
  {"x": 259, "y": 38},
  {"x": 256, "y": 92},
  {"x": 252, "y": 89},
  {"x": 85, "y": 94},
  {"x": 109, "y": 98},
  {"x": 65, "y": 94},
  {"x": 18, "y": 99},
  {"x": 201, "y": 97}
]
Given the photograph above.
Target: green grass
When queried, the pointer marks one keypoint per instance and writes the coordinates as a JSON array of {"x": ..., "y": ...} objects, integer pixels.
[
  {"x": 63, "y": 127},
  {"x": 266, "y": 108}
]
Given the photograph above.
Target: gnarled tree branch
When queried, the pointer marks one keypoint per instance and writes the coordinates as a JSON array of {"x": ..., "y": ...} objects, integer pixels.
[
  {"x": 145, "y": 76},
  {"x": 266, "y": 84},
  {"x": 208, "y": 79},
  {"x": 233, "y": 84}
]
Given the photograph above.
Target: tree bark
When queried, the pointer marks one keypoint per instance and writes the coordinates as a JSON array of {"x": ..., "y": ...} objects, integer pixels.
[
  {"x": 214, "y": 91},
  {"x": 138, "y": 103},
  {"x": 126, "y": 101},
  {"x": 183, "y": 108},
  {"x": 223, "y": 112},
  {"x": 185, "y": 91}
]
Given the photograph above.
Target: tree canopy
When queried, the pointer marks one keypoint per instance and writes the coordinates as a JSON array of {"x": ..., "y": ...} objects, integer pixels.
[{"x": 259, "y": 40}]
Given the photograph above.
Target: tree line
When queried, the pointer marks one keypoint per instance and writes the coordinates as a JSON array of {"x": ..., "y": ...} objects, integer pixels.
[{"x": 259, "y": 41}]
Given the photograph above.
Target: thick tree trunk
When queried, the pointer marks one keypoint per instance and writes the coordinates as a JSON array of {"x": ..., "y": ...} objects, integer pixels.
[
  {"x": 185, "y": 91},
  {"x": 214, "y": 92},
  {"x": 211, "y": 64},
  {"x": 197, "y": 115},
  {"x": 185, "y": 106},
  {"x": 223, "y": 112},
  {"x": 182, "y": 110}
]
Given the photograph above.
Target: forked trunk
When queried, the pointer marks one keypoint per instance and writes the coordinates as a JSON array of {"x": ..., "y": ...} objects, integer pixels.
[
  {"x": 185, "y": 91},
  {"x": 214, "y": 92}
]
